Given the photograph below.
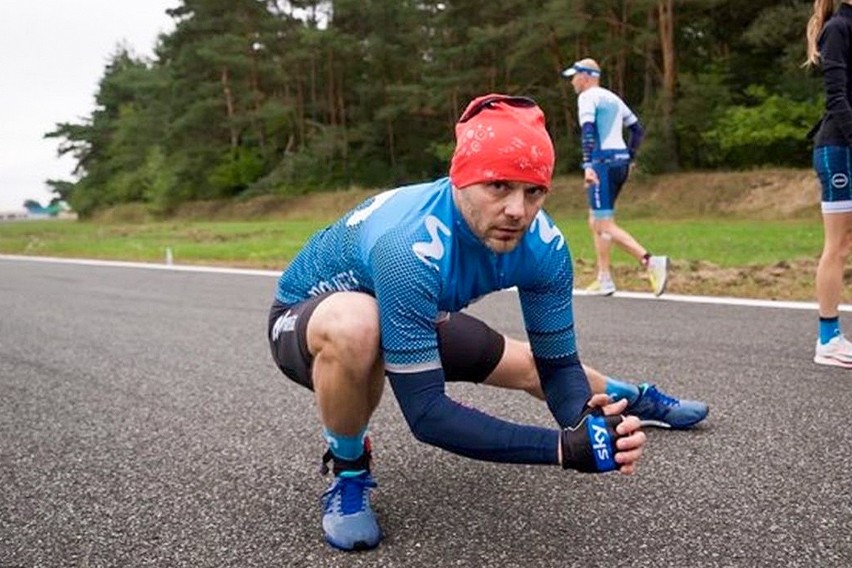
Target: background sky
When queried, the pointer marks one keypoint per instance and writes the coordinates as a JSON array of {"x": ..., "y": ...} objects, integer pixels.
[{"x": 52, "y": 55}]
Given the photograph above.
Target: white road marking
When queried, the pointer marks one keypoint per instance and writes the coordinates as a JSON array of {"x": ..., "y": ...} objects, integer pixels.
[{"x": 718, "y": 300}]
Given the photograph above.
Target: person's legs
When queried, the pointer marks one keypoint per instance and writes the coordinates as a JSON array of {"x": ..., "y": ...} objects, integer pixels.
[
  {"x": 603, "y": 247},
  {"x": 601, "y": 202},
  {"x": 612, "y": 176},
  {"x": 832, "y": 347},
  {"x": 516, "y": 370},
  {"x": 657, "y": 266},
  {"x": 348, "y": 371},
  {"x": 836, "y": 249},
  {"x": 605, "y": 231},
  {"x": 832, "y": 165},
  {"x": 607, "y": 226},
  {"x": 473, "y": 352},
  {"x": 331, "y": 345}
]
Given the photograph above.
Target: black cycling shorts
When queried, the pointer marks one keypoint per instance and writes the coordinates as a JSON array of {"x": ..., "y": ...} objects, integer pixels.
[{"x": 470, "y": 350}]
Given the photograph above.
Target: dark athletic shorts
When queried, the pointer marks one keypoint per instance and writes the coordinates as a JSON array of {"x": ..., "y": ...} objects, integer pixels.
[
  {"x": 602, "y": 196},
  {"x": 833, "y": 165},
  {"x": 470, "y": 350}
]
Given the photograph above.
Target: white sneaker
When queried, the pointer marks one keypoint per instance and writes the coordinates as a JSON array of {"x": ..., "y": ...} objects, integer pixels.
[
  {"x": 658, "y": 273},
  {"x": 601, "y": 288},
  {"x": 837, "y": 353}
]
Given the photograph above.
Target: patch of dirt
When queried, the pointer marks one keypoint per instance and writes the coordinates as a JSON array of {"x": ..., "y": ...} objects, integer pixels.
[
  {"x": 779, "y": 193},
  {"x": 782, "y": 194},
  {"x": 787, "y": 280}
]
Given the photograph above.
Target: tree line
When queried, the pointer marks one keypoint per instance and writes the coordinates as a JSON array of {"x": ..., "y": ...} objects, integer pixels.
[{"x": 250, "y": 97}]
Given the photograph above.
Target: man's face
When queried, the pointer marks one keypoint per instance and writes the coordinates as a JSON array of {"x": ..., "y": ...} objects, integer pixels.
[
  {"x": 500, "y": 212},
  {"x": 578, "y": 81}
]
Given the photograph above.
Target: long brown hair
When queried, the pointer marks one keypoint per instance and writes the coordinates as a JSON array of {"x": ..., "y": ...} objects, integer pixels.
[{"x": 823, "y": 9}]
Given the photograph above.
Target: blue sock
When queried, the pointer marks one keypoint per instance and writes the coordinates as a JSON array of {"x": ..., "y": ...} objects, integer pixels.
[
  {"x": 348, "y": 448},
  {"x": 617, "y": 390},
  {"x": 829, "y": 328}
]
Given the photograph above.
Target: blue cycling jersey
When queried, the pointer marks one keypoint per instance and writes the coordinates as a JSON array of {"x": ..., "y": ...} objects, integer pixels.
[{"x": 411, "y": 248}]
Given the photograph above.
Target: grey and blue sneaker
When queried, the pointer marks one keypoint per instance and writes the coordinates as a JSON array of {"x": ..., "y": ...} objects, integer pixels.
[
  {"x": 655, "y": 408},
  {"x": 348, "y": 519}
]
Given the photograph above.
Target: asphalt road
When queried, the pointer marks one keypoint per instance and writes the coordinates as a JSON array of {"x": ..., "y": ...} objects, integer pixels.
[{"x": 143, "y": 423}]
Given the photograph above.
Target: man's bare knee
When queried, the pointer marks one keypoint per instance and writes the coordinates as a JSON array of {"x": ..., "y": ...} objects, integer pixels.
[
  {"x": 346, "y": 325},
  {"x": 344, "y": 339}
]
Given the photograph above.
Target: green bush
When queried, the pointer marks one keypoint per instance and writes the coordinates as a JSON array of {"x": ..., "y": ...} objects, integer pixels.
[
  {"x": 236, "y": 171},
  {"x": 769, "y": 132},
  {"x": 162, "y": 193}
]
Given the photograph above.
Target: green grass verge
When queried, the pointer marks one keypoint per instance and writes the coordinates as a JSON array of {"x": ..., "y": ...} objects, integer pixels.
[
  {"x": 723, "y": 242},
  {"x": 271, "y": 244}
]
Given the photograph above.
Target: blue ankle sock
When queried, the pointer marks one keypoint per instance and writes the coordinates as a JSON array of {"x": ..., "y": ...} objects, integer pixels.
[
  {"x": 829, "y": 328},
  {"x": 346, "y": 447},
  {"x": 619, "y": 389}
]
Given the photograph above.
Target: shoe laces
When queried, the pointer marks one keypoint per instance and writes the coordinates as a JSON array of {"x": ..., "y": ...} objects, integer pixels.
[
  {"x": 349, "y": 493},
  {"x": 657, "y": 396}
]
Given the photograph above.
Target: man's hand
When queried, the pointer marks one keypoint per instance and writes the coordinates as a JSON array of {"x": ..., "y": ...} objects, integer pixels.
[
  {"x": 603, "y": 440},
  {"x": 631, "y": 441},
  {"x": 590, "y": 178}
]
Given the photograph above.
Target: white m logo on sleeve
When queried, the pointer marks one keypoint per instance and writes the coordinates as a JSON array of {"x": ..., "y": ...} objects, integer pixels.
[
  {"x": 434, "y": 248},
  {"x": 546, "y": 231}
]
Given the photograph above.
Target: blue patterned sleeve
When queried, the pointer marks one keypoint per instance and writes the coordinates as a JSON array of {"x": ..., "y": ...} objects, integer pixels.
[
  {"x": 406, "y": 290},
  {"x": 637, "y": 134},
  {"x": 589, "y": 136},
  {"x": 546, "y": 301},
  {"x": 547, "y": 305}
]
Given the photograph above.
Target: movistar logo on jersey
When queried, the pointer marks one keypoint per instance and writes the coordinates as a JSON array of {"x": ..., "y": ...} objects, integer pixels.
[
  {"x": 434, "y": 249},
  {"x": 546, "y": 231},
  {"x": 601, "y": 443}
]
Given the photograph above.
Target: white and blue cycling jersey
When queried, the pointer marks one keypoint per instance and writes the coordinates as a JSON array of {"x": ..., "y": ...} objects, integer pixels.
[
  {"x": 609, "y": 115},
  {"x": 413, "y": 251}
]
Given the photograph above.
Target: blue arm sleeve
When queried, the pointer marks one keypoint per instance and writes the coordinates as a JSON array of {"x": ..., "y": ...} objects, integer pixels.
[
  {"x": 589, "y": 137},
  {"x": 436, "y": 419},
  {"x": 565, "y": 386},
  {"x": 637, "y": 133}
]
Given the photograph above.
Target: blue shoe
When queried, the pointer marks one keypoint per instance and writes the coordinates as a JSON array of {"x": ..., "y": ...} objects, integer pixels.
[
  {"x": 654, "y": 408},
  {"x": 348, "y": 520}
]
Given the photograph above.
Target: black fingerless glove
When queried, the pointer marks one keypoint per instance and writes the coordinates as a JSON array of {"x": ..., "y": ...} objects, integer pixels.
[{"x": 590, "y": 445}]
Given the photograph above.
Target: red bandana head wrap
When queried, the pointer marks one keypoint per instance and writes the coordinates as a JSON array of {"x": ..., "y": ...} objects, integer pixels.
[{"x": 500, "y": 137}]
